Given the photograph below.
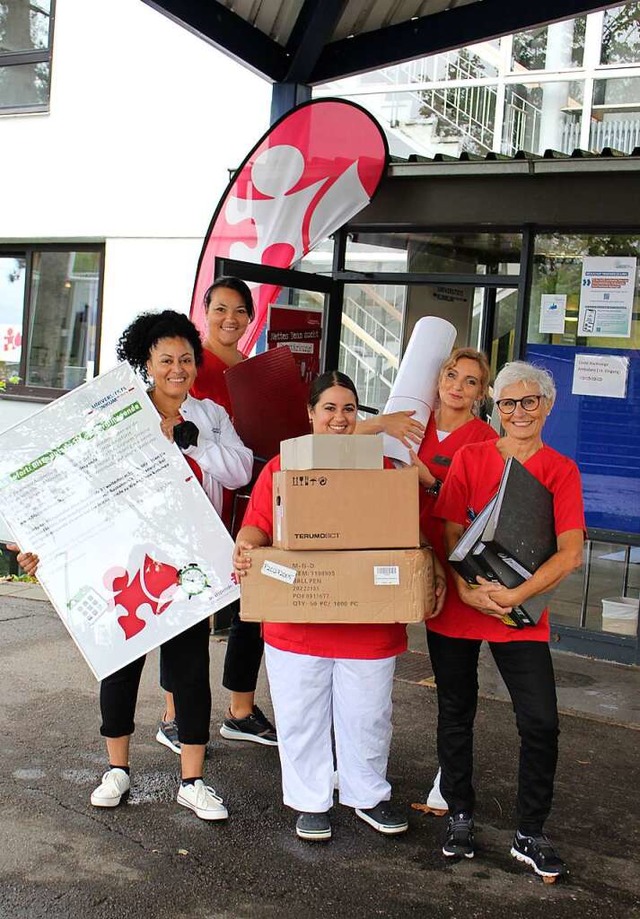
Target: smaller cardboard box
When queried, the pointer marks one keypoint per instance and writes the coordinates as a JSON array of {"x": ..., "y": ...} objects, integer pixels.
[
  {"x": 374, "y": 586},
  {"x": 346, "y": 509},
  {"x": 338, "y": 451}
]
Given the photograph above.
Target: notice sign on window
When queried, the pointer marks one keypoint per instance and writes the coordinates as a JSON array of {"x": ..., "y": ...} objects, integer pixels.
[
  {"x": 606, "y": 297},
  {"x": 553, "y": 308},
  {"x": 600, "y": 375}
]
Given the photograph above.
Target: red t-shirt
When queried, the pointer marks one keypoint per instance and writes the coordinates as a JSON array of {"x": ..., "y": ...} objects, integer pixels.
[
  {"x": 437, "y": 456},
  {"x": 473, "y": 480},
  {"x": 210, "y": 382},
  {"x": 362, "y": 641}
]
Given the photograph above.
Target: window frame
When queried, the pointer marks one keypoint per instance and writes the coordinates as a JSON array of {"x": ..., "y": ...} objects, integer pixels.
[
  {"x": 22, "y": 391},
  {"x": 35, "y": 56}
]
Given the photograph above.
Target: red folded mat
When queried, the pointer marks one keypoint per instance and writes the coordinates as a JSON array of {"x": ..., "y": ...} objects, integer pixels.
[{"x": 269, "y": 401}]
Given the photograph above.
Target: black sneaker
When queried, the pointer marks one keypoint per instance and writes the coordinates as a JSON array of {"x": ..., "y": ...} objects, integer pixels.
[
  {"x": 168, "y": 735},
  {"x": 539, "y": 854},
  {"x": 459, "y": 839},
  {"x": 255, "y": 727},
  {"x": 384, "y": 818},
  {"x": 314, "y": 827}
]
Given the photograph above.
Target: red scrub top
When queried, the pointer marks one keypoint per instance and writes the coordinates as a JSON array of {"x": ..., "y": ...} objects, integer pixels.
[
  {"x": 211, "y": 384},
  {"x": 437, "y": 456},
  {"x": 473, "y": 480},
  {"x": 361, "y": 641}
]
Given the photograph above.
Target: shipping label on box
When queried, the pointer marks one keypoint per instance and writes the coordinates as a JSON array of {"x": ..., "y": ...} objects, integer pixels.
[
  {"x": 374, "y": 586},
  {"x": 346, "y": 509},
  {"x": 339, "y": 451}
]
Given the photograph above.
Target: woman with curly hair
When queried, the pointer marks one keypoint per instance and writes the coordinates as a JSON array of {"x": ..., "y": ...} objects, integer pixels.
[{"x": 165, "y": 349}]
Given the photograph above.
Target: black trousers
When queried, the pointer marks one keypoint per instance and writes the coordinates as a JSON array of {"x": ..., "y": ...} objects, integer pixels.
[
  {"x": 527, "y": 670},
  {"x": 244, "y": 654},
  {"x": 185, "y": 661}
]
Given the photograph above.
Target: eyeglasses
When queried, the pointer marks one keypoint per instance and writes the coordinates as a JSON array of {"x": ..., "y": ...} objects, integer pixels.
[{"x": 529, "y": 404}]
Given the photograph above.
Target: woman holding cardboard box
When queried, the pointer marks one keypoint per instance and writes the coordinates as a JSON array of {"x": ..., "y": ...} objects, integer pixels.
[
  {"x": 324, "y": 675},
  {"x": 524, "y": 395}
]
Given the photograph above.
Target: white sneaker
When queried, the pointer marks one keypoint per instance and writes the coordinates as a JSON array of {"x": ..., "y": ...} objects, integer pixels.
[
  {"x": 203, "y": 801},
  {"x": 114, "y": 786},
  {"x": 435, "y": 801}
]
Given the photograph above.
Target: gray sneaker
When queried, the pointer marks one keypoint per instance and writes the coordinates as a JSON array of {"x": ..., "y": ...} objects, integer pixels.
[
  {"x": 168, "y": 735},
  {"x": 315, "y": 827},
  {"x": 255, "y": 727},
  {"x": 384, "y": 818}
]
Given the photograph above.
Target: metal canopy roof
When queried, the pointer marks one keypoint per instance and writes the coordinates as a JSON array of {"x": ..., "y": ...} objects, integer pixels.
[{"x": 313, "y": 41}]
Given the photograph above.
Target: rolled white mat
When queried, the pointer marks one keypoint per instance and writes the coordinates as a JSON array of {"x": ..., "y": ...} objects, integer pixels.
[{"x": 416, "y": 384}]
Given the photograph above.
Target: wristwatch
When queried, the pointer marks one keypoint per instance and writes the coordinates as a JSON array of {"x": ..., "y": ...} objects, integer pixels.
[{"x": 434, "y": 489}]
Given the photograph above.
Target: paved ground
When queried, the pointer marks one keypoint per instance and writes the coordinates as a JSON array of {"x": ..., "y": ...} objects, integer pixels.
[{"x": 60, "y": 857}]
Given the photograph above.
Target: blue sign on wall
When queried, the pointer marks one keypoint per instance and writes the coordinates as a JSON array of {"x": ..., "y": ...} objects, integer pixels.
[{"x": 601, "y": 434}]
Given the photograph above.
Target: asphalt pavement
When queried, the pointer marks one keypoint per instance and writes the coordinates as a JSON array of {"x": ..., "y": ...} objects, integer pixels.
[{"x": 61, "y": 857}]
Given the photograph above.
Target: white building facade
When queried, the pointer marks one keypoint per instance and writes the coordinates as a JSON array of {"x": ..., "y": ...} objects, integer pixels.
[{"x": 117, "y": 132}]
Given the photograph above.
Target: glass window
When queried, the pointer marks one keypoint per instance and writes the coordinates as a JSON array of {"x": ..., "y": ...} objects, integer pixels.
[
  {"x": 559, "y": 46},
  {"x": 621, "y": 35},
  {"x": 435, "y": 253},
  {"x": 592, "y": 422},
  {"x": 371, "y": 338},
  {"x": 474, "y": 61},
  {"x": 542, "y": 116},
  {"x": 615, "y": 114},
  {"x": 12, "y": 278},
  {"x": 459, "y": 114},
  {"x": 319, "y": 260},
  {"x": 613, "y": 574},
  {"x": 24, "y": 86},
  {"x": 25, "y": 54},
  {"x": 557, "y": 269},
  {"x": 49, "y": 319}
]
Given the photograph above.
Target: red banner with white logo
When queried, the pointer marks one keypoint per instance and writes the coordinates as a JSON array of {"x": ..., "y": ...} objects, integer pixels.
[{"x": 313, "y": 171}]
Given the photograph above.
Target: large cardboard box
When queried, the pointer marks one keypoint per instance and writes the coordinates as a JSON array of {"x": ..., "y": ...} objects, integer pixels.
[
  {"x": 379, "y": 585},
  {"x": 346, "y": 509},
  {"x": 337, "y": 451}
]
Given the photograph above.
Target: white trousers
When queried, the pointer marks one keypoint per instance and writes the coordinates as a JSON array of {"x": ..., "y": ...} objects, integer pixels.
[{"x": 308, "y": 695}]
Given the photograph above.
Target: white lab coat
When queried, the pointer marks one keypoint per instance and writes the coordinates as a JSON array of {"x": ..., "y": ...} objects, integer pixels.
[{"x": 223, "y": 458}]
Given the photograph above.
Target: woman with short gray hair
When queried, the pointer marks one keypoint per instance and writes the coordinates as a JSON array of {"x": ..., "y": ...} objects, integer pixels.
[
  {"x": 522, "y": 372},
  {"x": 524, "y": 395}
]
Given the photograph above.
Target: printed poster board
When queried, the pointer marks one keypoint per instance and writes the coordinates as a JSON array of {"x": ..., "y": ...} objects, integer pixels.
[{"x": 131, "y": 551}]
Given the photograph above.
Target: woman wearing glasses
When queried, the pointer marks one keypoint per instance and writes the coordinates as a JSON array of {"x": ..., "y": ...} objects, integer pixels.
[{"x": 524, "y": 395}]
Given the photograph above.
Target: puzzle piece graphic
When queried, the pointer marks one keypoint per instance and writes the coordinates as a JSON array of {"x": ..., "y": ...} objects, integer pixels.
[{"x": 144, "y": 588}]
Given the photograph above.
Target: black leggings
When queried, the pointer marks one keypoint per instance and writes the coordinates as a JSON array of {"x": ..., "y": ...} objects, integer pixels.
[
  {"x": 185, "y": 661},
  {"x": 242, "y": 659},
  {"x": 527, "y": 670}
]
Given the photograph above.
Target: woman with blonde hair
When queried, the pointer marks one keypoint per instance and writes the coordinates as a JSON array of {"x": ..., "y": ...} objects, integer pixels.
[{"x": 462, "y": 386}]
